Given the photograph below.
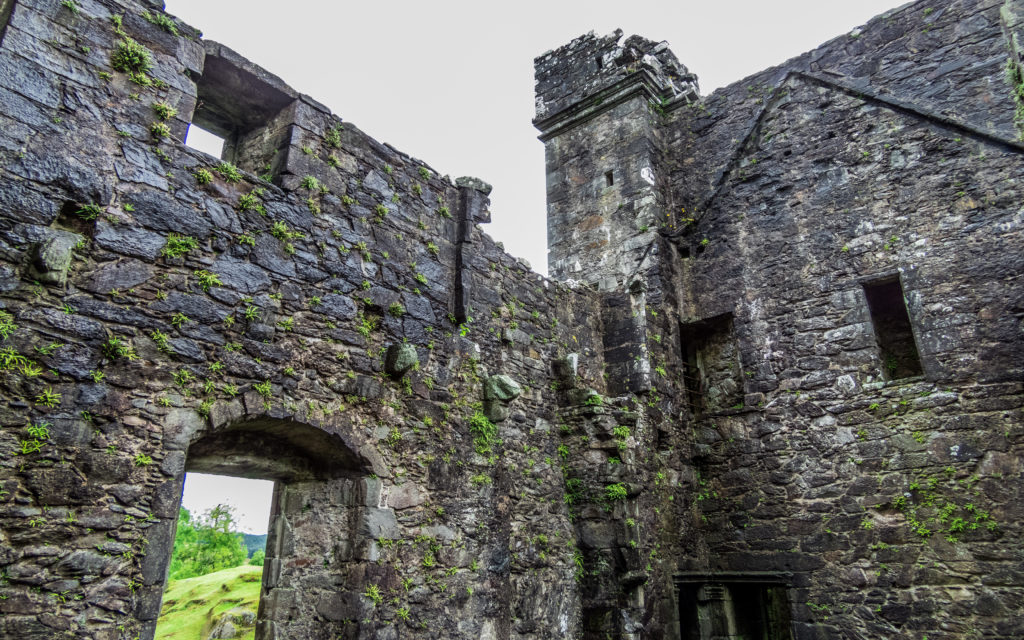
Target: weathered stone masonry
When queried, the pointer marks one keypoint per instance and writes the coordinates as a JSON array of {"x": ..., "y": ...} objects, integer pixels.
[{"x": 729, "y": 424}]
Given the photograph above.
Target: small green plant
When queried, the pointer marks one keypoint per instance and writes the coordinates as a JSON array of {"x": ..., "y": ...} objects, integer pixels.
[
  {"x": 116, "y": 348},
  {"x": 333, "y": 136},
  {"x": 7, "y": 326},
  {"x": 251, "y": 201},
  {"x": 48, "y": 398},
  {"x": 365, "y": 325},
  {"x": 485, "y": 434},
  {"x": 614, "y": 492},
  {"x": 373, "y": 593},
  {"x": 229, "y": 172},
  {"x": 396, "y": 309},
  {"x": 178, "y": 245},
  {"x": 142, "y": 460},
  {"x": 424, "y": 173},
  {"x": 89, "y": 211},
  {"x": 164, "y": 111},
  {"x": 161, "y": 340},
  {"x": 131, "y": 57},
  {"x": 311, "y": 183},
  {"x": 262, "y": 388},
  {"x": 161, "y": 20},
  {"x": 432, "y": 248},
  {"x": 207, "y": 279},
  {"x": 179, "y": 319},
  {"x": 203, "y": 176},
  {"x": 594, "y": 400},
  {"x": 183, "y": 377}
]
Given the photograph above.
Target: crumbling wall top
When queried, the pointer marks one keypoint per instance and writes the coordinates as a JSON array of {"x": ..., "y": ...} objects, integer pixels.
[{"x": 591, "y": 63}]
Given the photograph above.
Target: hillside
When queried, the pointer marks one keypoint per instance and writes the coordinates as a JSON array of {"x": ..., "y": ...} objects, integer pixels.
[
  {"x": 254, "y": 542},
  {"x": 193, "y": 605}
]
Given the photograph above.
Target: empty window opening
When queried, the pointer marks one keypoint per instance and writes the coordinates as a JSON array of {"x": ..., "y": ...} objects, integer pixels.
[
  {"x": 202, "y": 140},
  {"x": 893, "y": 331},
  {"x": 600, "y": 62},
  {"x": 216, "y": 568},
  {"x": 599, "y": 623},
  {"x": 609, "y": 179},
  {"x": 245, "y": 106},
  {"x": 738, "y": 610},
  {"x": 711, "y": 365}
]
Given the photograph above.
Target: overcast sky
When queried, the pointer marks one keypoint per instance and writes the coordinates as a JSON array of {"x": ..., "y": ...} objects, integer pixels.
[{"x": 451, "y": 82}]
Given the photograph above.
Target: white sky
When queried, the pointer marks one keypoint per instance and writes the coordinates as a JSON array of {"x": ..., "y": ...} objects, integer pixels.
[
  {"x": 451, "y": 81},
  {"x": 250, "y": 498}
]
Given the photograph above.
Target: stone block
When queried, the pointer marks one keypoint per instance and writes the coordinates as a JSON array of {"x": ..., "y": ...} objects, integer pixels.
[{"x": 400, "y": 359}]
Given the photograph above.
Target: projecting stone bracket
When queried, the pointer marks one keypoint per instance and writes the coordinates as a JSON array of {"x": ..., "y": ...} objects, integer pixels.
[
  {"x": 400, "y": 359},
  {"x": 499, "y": 392},
  {"x": 52, "y": 257}
]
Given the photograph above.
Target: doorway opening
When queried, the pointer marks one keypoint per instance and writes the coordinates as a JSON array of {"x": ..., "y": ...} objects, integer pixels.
[
  {"x": 319, "y": 485},
  {"x": 734, "y": 606},
  {"x": 216, "y": 569}
]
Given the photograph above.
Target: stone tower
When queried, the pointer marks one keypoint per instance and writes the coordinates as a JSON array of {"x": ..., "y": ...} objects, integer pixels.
[{"x": 599, "y": 102}]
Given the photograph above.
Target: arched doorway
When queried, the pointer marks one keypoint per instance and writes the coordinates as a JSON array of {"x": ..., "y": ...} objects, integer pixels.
[{"x": 321, "y": 493}]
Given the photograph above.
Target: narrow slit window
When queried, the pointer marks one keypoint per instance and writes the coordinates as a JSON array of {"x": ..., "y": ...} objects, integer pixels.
[
  {"x": 600, "y": 62},
  {"x": 893, "y": 331},
  {"x": 609, "y": 178}
]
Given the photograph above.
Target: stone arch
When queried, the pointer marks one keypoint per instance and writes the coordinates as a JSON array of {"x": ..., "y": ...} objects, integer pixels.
[{"x": 323, "y": 511}]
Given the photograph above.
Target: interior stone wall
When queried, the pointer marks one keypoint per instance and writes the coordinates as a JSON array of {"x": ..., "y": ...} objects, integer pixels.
[{"x": 463, "y": 448}]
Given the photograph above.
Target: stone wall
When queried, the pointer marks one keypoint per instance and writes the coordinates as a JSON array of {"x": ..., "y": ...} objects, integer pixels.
[
  {"x": 888, "y": 500},
  {"x": 325, "y": 313},
  {"x": 862, "y": 461}
]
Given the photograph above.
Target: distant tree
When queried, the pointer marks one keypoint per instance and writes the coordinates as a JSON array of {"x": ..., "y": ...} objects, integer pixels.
[
  {"x": 206, "y": 544},
  {"x": 257, "y": 558}
]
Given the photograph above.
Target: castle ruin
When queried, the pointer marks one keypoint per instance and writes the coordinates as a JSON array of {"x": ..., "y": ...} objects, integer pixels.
[{"x": 773, "y": 389}]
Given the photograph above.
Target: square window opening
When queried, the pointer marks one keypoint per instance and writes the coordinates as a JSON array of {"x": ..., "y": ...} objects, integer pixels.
[
  {"x": 893, "y": 331},
  {"x": 247, "y": 108},
  {"x": 711, "y": 365},
  {"x": 202, "y": 140}
]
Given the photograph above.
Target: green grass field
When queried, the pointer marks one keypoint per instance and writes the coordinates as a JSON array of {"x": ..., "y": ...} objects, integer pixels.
[{"x": 191, "y": 606}]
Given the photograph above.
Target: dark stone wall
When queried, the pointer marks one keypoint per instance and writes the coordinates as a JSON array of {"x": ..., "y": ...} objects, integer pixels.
[
  {"x": 163, "y": 314},
  {"x": 874, "y": 477},
  {"x": 891, "y": 502}
]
